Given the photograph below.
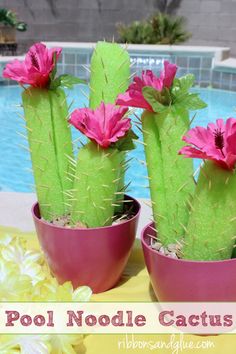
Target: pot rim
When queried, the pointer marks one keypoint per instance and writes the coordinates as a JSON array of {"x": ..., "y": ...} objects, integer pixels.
[
  {"x": 146, "y": 246},
  {"x": 91, "y": 228}
]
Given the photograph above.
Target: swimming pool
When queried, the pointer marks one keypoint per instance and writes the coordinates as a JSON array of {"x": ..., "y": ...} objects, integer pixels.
[{"x": 15, "y": 174}]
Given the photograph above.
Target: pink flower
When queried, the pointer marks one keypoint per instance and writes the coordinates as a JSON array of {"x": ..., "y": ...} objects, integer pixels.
[
  {"x": 105, "y": 125},
  {"x": 168, "y": 74},
  {"x": 36, "y": 67},
  {"x": 133, "y": 97},
  {"x": 217, "y": 142}
]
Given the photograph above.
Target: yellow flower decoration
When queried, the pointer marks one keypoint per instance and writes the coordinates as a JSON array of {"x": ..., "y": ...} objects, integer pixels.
[
  {"x": 5, "y": 240},
  {"x": 13, "y": 285},
  {"x": 25, "y": 276},
  {"x": 16, "y": 252},
  {"x": 26, "y": 344},
  {"x": 28, "y": 261},
  {"x": 63, "y": 344},
  {"x": 55, "y": 292}
]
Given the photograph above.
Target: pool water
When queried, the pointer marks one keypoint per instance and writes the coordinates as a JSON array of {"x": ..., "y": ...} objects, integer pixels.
[{"x": 15, "y": 166}]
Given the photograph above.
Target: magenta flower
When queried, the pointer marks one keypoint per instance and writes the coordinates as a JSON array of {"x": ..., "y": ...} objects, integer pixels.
[
  {"x": 36, "y": 67},
  {"x": 105, "y": 125},
  {"x": 217, "y": 142},
  {"x": 133, "y": 96}
]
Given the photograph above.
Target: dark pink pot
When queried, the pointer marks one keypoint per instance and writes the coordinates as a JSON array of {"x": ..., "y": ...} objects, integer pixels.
[
  {"x": 95, "y": 257},
  {"x": 175, "y": 280}
]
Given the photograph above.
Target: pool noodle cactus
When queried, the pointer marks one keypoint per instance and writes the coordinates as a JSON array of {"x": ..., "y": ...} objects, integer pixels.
[
  {"x": 50, "y": 143},
  {"x": 99, "y": 163},
  {"x": 110, "y": 74},
  {"x": 96, "y": 180},
  {"x": 171, "y": 206},
  {"x": 152, "y": 147},
  {"x": 49, "y": 136},
  {"x": 170, "y": 178},
  {"x": 165, "y": 119},
  {"x": 211, "y": 230},
  {"x": 99, "y": 178}
]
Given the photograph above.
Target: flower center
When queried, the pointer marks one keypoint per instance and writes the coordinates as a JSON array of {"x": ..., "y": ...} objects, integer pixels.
[
  {"x": 219, "y": 140},
  {"x": 34, "y": 60}
]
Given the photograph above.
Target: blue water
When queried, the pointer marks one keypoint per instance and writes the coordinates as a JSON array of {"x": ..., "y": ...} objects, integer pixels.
[{"x": 15, "y": 163}]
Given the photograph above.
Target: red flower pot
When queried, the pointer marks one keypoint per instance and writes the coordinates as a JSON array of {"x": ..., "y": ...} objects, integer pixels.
[
  {"x": 95, "y": 257},
  {"x": 175, "y": 280}
]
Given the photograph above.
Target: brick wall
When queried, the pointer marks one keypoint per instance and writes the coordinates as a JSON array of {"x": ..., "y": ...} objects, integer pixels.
[{"x": 212, "y": 22}]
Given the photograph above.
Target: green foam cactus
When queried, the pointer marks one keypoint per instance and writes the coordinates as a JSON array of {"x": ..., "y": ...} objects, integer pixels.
[
  {"x": 87, "y": 192},
  {"x": 110, "y": 72},
  {"x": 50, "y": 145},
  {"x": 170, "y": 178},
  {"x": 176, "y": 173},
  {"x": 166, "y": 102},
  {"x": 154, "y": 160},
  {"x": 95, "y": 185},
  {"x": 100, "y": 164},
  {"x": 211, "y": 229},
  {"x": 49, "y": 136}
]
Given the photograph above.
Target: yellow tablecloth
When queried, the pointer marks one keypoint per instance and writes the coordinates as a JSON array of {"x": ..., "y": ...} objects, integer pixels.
[{"x": 134, "y": 285}]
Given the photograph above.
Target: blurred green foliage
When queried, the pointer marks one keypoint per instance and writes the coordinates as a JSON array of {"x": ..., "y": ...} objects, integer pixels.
[
  {"x": 9, "y": 18},
  {"x": 161, "y": 28}
]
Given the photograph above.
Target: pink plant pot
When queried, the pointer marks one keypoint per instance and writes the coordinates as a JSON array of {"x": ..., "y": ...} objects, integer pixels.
[
  {"x": 95, "y": 257},
  {"x": 176, "y": 280}
]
